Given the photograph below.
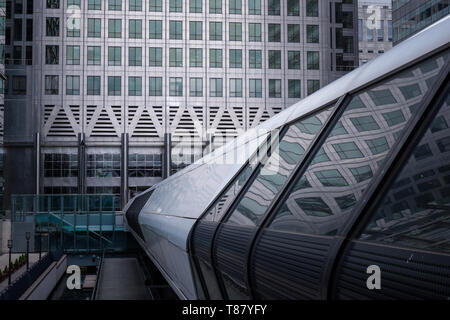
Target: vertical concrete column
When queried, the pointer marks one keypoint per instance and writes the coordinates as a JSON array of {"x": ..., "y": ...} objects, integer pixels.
[
  {"x": 124, "y": 170},
  {"x": 81, "y": 164},
  {"x": 167, "y": 159}
]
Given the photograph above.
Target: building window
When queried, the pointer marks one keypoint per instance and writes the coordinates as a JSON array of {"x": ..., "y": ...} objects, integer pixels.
[
  {"x": 274, "y": 88},
  {"x": 369, "y": 34},
  {"x": 175, "y": 87},
  {"x": 135, "y": 29},
  {"x": 215, "y": 58},
  {"x": 254, "y": 32},
  {"x": 51, "y": 54},
  {"x": 215, "y": 31},
  {"x": 93, "y": 85},
  {"x": 274, "y": 7},
  {"x": 294, "y": 88},
  {"x": 114, "y": 86},
  {"x": 215, "y": 87},
  {"x": 115, "y": 5},
  {"x": 57, "y": 165},
  {"x": 134, "y": 86},
  {"x": 312, "y": 86},
  {"x": 70, "y": 3},
  {"x": 195, "y": 57},
  {"x": 73, "y": 55},
  {"x": 195, "y": 30},
  {"x": 195, "y": 6},
  {"x": 254, "y": 7},
  {"x": 51, "y": 85},
  {"x": 175, "y": 57},
  {"x": 94, "y": 56},
  {"x": 29, "y": 31},
  {"x": 380, "y": 31},
  {"x": 52, "y": 27},
  {"x": 294, "y": 60},
  {"x": 196, "y": 87},
  {"x": 52, "y": 4},
  {"x": 155, "y": 86},
  {"x": 293, "y": 33},
  {"x": 274, "y": 59},
  {"x": 114, "y": 28},
  {"x": 155, "y": 57},
  {"x": 293, "y": 8},
  {"x": 19, "y": 85},
  {"x": 94, "y": 27},
  {"x": 17, "y": 30},
  {"x": 155, "y": 6},
  {"x": 312, "y": 58},
  {"x": 176, "y": 6},
  {"x": 360, "y": 35},
  {"x": 389, "y": 30},
  {"x": 135, "y": 5},
  {"x": 175, "y": 30},
  {"x": 73, "y": 27},
  {"x": 274, "y": 32},
  {"x": 72, "y": 85},
  {"x": 255, "y": 88},
  {"x": 312, "y": 8},
  {"x": 215, "y": 6},
  {"x": 103, "y": 165},
  {"x": 114, "y": 56},
  {"x": 312, "y": 33},
  {"x": 235, "y": 6},
  {"x": 236, "y": 87},
  {"x": 94, "y": 4},
  {"x": 145, "y": 165},
  {"x": 255, "y": 59},
  {"x": 235, "y": 58},
  {"x": 135, "y": 56},
  {"x": 235, "y": 31},
  {"x": 155, "y": 29}
]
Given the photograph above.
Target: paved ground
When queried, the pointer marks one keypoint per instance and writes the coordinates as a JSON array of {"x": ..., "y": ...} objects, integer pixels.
[
  {"x": 122, "y": 279},
  {"x": 4, "y": 260}
]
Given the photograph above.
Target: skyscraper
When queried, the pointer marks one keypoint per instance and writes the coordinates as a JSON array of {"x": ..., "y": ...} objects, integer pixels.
[
  {"x": 112, "y": 96},
  {"x": 409, "y": 17},
  {"x": 374, "y": 28}
]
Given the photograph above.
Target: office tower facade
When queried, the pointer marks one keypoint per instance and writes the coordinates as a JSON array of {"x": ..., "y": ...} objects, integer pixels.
[
  {"x": 409, "y": 17},
  {"x": 120, "y": 94},
  {"x": 374, "y": 28},
  {"x": 2, "y": 85}
]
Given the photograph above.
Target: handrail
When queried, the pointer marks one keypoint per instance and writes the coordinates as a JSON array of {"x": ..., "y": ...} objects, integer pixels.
[{"x": 97, "y": 280}]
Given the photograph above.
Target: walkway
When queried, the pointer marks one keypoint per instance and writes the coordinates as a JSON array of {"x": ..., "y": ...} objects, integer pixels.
[
  {"x": 122, "y": 279},
  {"x": 4, "y": 260}
]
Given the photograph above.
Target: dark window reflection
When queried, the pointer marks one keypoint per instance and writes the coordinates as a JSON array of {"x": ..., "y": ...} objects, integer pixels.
[
  {"x": 351, "y": 156},
  {"x": 419, "y": 216}
]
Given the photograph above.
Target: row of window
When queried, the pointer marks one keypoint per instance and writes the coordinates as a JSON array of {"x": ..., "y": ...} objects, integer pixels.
[
  {"x": 176, "y": 30},
  {"x": 196, "y": 6},
  {"x": 176, "y": 86},
  {"x": 235, "y": 57}
]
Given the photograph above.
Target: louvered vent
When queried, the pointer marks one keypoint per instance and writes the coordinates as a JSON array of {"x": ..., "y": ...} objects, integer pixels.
[
  {"x": 58, "y": 123},
  {"x": 104, "y": 122},
  {"x": 226, "y": 122},
  {"x": 257, "y": 115},
  {"x": 183, "y": 121},
  {"x": 143, "y": 121}
]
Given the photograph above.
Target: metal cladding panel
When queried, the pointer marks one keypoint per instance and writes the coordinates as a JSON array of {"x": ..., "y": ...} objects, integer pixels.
[
  {"x": 405, "y": 273},
  {"x": 288, "y": 265},
  {"x": 132, "y": 212},
  {"x": 202, "y": 239},
  {"x": 231, "y": 250}
]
